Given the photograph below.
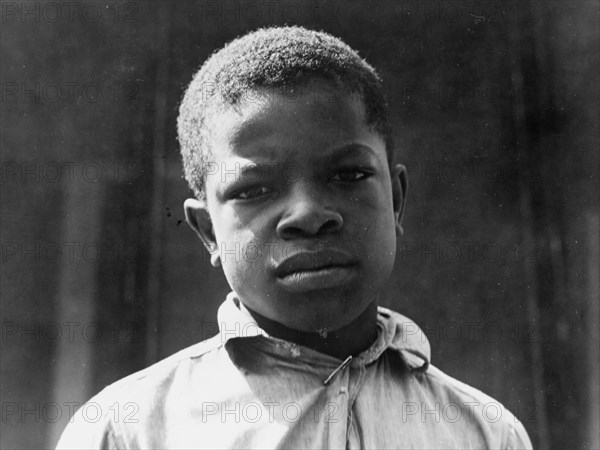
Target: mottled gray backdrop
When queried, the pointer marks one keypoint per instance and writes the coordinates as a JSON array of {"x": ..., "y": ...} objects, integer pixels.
[{"x": 495, "y": 113}]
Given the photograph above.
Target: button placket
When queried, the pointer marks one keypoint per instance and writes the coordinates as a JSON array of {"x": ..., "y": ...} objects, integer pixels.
[
  {"x": 356, "y": 376},
  {"x": 336, "y": 410}
]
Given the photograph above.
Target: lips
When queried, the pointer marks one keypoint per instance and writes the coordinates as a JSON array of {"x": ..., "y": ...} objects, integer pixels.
[
  {"x": 309, "y": 271},
  {"x": 313, "y": 261}
]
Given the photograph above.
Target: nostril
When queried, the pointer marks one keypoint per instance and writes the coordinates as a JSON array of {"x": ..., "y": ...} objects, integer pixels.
[
  {"x": 317, "y": 223},
  {"x": 292, "y": 232},
  {"x": 330, "y": 225}
]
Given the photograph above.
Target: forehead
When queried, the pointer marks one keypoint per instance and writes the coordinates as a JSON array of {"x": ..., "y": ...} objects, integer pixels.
[{"x": 283, "y": 124}]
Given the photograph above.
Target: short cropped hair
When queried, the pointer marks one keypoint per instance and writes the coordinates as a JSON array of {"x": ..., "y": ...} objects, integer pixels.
[{"x": 277, "y": 57}]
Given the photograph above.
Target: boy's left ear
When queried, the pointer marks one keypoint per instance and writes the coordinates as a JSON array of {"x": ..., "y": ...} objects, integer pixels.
[
  {"x": 399, "y": 188},
  {"x": 197, "y": 216}
]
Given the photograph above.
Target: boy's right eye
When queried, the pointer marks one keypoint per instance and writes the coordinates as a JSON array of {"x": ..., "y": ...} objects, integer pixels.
[{"x": 250, "y": 193}]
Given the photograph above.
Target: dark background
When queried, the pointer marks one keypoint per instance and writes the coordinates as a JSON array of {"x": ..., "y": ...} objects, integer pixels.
[{"x": 495, "y": 110}]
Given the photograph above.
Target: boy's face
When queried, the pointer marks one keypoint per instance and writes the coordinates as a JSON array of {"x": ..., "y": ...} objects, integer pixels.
[{"x": 302, "y": 209}]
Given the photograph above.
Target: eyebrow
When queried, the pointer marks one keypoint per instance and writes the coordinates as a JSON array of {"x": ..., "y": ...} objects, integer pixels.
[
  {"x": 350, "y": 150},
  {"x": 254, "y": 169},
  {"x": 269, "y": 155},
  {"x": 270, "y": 165}
]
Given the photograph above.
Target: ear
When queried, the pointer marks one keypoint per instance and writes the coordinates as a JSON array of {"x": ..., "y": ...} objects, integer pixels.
[
  {"x": 399, "y": 188},
  {"x": 197, "y": 216}
]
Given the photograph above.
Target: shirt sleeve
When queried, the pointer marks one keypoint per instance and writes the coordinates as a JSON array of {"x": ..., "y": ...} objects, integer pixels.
[
  {"x": 91, "y": 427},
  {"x": 518, "y": 439}
]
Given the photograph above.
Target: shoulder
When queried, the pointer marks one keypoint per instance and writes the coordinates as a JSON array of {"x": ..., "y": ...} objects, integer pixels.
[
  {"x": 149, "y": 384},
  {"x": 490, "y": 416},
  {"x": 162, "y": 371},
  {"x": 460, "y": 405},
  {"x": 99, "y": 422}
]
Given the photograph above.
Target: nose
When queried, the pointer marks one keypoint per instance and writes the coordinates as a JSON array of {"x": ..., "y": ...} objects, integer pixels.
[{"x": 307, "y": 214}]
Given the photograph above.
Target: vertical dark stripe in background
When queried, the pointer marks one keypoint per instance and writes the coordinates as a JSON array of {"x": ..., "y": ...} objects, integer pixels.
[{"x": 163, "y": 18}]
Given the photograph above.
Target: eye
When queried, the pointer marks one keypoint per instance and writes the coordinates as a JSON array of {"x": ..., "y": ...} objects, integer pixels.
[
  {"x": 350, "y": 175},
  {"x": 250, "y": 193}
]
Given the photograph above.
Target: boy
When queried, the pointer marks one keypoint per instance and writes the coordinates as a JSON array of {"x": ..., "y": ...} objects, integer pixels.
[{"x": 286, "y": 145}]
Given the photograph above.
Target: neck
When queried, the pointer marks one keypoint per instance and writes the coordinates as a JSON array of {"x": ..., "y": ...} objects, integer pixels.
[{"x": 349, "y": 340}]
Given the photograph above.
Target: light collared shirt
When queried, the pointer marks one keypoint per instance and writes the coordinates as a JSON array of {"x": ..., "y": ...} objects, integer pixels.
[{"x": 245, "y": 389}]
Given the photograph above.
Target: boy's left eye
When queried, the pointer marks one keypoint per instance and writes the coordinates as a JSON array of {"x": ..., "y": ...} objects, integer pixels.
[
  {"x": 350, "y": 175},
  {"x": 251, "y": 193}
]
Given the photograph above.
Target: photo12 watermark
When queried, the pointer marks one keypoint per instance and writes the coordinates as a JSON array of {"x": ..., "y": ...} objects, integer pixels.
[
  {"x": 70, "y": 172},
  {"x": 72, "y": 252},
  {"x": 51, "y": 412},
  {"x": 70, "y": 332},
  {"x": 71, "y": 92},
  {"x": 31, "y": 11}
]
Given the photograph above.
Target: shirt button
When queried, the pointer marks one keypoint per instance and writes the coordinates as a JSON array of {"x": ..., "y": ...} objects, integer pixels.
[{"x": 343, "y": 390}]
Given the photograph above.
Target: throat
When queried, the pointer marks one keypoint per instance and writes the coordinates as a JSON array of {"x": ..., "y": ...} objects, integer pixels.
[{"x": 349, "y": 340}]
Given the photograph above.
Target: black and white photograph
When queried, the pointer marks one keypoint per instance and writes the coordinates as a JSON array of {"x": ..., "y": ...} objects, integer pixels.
[{"x": 300, "y": 224}]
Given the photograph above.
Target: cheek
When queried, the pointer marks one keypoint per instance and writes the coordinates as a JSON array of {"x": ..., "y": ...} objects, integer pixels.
[
  {"x": 241, "y": 254},
  {"x": 249, "y": 232},
  {"x": 378, "y": 232},
  {"x": 382, "y": 246},
  {"x": 374, "y": 214}
]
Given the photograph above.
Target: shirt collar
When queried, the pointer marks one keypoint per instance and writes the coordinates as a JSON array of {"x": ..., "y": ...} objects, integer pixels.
[
  {"x": 406, "y": 337},
  {"x": 395, "y": 332}
]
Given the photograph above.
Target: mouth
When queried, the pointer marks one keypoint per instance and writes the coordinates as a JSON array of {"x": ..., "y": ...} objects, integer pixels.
[{"x": 308, "y": 271}]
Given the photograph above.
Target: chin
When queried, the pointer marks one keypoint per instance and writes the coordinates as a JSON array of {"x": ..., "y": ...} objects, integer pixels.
[{"x": 326, "y": 310}]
